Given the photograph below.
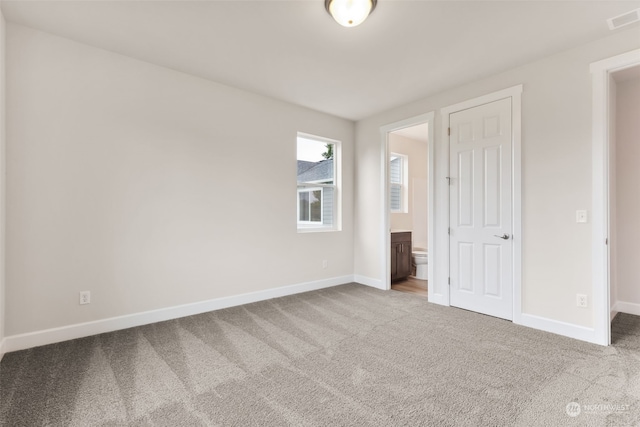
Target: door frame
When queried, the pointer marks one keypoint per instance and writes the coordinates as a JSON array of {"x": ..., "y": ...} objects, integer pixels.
[
  {"x": 601, "y": 116},
  {"x": 385, "y": 232},
  {"x": 515, "y": 93}
]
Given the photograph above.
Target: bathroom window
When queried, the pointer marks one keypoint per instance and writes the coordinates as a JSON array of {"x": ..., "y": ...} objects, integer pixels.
[
  {"x": 317, "y": 179},
  {"x": 398, "y": 183}
]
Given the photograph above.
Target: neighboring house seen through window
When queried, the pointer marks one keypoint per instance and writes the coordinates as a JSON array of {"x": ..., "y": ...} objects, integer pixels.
[
  {"x": 310, "y": 205},
  {"x": 317, "y": 183}
]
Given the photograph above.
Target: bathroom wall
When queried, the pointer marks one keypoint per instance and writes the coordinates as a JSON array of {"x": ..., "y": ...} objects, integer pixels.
[
  {"x": 627, "y": 177},
  {"x": 416, "y": 218}
]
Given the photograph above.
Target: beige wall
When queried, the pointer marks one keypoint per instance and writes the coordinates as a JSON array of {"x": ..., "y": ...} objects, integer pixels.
[
  {"x": 627, "y": 176},
  {"x": 149, "y": 187},
  {"x": 417, "y": 153},
  {"x": 2, "y": 179},
  {"x": 145, "y": 185},
  {"x": 556, "y": 175}
]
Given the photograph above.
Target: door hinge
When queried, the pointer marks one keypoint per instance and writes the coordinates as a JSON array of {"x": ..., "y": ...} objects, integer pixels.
[
  {"x": 606, "y": 241},
  {"x": 449, "y": 280},
  {"x": 449, "y": 131},
  {"x": 449, "y": 231},
  {"x": 448, "y": 178}
]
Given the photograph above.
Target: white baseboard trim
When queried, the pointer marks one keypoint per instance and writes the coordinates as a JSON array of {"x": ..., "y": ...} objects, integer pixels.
[
  {"x": 80, "y": 330},
  {"x": 560, "y": 328},
  {"x": 368, "y": 281},
  {"x": 2, "y": 346},
  {"x": 627, "y": 307},
  {"x": 438, "y": 299}
]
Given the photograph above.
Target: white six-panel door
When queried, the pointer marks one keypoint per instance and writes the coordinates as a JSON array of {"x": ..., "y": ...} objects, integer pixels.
[{"x": 481, "y": 249}]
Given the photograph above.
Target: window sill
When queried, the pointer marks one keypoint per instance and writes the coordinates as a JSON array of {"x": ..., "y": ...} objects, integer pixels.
[{"x": 315, "y": 229}]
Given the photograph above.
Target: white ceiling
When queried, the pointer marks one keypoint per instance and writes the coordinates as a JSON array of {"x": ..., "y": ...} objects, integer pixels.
[{"x": 294, "y": 51}]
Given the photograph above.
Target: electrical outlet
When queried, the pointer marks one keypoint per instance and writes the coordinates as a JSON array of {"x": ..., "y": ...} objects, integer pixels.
[
  {"x": 85, "y": 297},
  {"x": 325, "y": 263},
  {"x": 581, "y": 217},
  {"x": 581, "y": 300}
]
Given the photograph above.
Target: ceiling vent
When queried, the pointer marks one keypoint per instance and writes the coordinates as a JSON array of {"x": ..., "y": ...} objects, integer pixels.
[{"x": 624, "y": 19}]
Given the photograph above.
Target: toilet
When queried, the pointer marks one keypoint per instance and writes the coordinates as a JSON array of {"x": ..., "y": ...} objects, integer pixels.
[{"x": 420, "y": 261}]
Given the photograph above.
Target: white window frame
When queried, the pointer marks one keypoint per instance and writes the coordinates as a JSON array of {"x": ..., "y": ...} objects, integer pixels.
[
  {"x": 404, "y": 187},
  {"x": 336, "y": 225}
]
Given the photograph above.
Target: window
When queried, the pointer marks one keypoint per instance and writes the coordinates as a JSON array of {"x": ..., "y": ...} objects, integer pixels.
[
  {"x": 310, "y": 206},
  {"x": 398, "y": 183},
  {"x": 317, "y": 181}
]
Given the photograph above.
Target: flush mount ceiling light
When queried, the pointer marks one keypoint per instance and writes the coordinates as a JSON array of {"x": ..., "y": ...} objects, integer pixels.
[{"x": 350, "y": 13}]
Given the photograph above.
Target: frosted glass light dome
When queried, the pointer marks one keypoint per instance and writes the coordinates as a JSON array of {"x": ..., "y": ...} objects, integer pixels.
[{"x": 350, "y": 13}]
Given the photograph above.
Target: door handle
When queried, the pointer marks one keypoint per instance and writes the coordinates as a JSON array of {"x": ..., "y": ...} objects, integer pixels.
[{"x": 504, "y": 236}]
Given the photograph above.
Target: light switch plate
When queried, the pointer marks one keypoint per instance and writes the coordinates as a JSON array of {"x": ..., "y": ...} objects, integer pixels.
[{"x": 581, "y": 216}]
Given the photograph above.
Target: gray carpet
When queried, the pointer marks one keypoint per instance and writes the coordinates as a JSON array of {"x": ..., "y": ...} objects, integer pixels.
[{"x": 349, "y": 355}]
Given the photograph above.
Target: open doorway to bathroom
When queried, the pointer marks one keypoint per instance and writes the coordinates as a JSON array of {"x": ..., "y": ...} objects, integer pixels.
[
  {"x": 624, "y": 199},
  {"x": 616, "y": 85},
  {"x": 408, "y": 172}
]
